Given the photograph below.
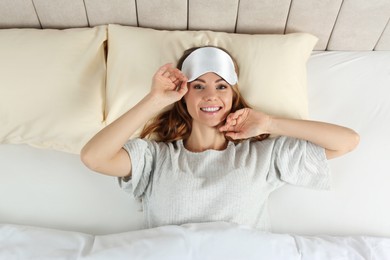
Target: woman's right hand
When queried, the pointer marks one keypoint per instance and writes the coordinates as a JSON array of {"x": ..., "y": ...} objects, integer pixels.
[
  {"x": 169, "y": 84},
  {"x": 104, "y": 152}
]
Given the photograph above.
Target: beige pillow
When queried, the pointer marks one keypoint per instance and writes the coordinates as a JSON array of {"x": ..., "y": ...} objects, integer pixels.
[
  {"x": 52, "y": 86},
  {"x": 272, "y": 67}
]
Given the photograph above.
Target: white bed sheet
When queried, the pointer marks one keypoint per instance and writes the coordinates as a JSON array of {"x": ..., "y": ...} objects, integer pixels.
[
  {"x": 217, "y": 240},
  {"x": 53, "y": 189},
  {"x": 351, "y": 89}
]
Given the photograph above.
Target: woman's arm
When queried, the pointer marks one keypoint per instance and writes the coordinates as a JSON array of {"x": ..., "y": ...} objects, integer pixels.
[
  {"x": 104, "y": 152},
  {"x": 336, "y": 140}
]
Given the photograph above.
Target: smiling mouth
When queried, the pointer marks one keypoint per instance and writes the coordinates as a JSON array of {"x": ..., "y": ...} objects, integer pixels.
[{"x": 210, "y": 109}]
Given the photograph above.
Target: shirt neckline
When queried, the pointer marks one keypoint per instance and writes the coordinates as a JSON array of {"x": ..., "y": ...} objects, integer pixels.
[{"x": 182, "y": 147}]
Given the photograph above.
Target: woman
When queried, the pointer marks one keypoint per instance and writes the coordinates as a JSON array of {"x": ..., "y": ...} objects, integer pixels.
[{"x": 212, "y": 160}]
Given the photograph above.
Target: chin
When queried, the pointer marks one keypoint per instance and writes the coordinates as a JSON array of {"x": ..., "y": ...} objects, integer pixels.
[{"x": 215, "y": 124}]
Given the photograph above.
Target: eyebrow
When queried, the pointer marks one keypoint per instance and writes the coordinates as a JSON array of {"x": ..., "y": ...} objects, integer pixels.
[{"x": 201, "y": 80}]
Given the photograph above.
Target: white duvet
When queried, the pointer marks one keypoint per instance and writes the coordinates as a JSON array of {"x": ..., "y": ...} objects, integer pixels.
[{"x": 217, "y": 240}]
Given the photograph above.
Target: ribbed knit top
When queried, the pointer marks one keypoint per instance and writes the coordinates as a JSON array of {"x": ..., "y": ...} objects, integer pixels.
[{"x": 178, "y": 186}]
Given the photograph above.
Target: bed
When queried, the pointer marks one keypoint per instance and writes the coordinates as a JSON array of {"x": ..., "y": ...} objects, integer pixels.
[{"x": 53, "y": 207}]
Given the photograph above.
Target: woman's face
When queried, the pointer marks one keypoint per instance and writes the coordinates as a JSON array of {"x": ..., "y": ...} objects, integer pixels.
[{"x": 209, "y": 99}]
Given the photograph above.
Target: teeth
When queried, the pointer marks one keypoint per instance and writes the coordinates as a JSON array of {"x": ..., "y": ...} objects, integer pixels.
[{"x": 210, "y": 109}]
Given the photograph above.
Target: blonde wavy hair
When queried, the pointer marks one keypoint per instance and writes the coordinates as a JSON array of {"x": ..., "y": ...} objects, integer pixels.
[{"x": 176, "y": 123}]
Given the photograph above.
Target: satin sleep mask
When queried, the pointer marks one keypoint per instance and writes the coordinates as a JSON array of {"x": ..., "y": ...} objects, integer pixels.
[{"x": 209, "y": 59}]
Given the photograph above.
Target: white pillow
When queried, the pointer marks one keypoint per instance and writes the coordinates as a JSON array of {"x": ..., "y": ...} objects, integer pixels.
[
  {"x": 272, "y": 67},
  {"x": 52, "y": 86}
]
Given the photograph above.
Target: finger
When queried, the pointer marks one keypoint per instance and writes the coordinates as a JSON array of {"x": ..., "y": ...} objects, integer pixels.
[
  {"x": 167, "y": 74},
  {"x": 163, "y": 69},
  {"x": 172, "y": 78},
  {"x": 230, "y": 117},
  {"x": 234, "y": 135},
  {"x": 238, "y": 113},
  {"x": 232, "y": 123},
  {"x": 174, "y": 75},
  {"x": 176, "y": 81},
  {"x": 241, "y": 118},
  {"x": 183, "y": 88},
  {"x": 227, "y": 128},
  {"x": 223, "y": 128},
  {"x": 178, "y": 74},
  {"x": 234, "y": 115}
]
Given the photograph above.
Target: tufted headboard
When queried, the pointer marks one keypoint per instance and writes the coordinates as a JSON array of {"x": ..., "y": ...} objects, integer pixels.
[{"x": 358, "y": 25}]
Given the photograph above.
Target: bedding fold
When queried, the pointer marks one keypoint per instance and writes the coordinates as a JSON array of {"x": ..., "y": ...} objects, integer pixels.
[{"x": 213, "y": 240}]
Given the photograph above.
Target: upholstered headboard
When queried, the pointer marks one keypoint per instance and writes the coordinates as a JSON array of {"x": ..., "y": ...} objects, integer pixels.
[{"x": 339, "y": 24}]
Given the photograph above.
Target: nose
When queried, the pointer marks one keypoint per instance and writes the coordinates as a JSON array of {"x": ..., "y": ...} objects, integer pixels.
[{"x": 210, "y": 94}]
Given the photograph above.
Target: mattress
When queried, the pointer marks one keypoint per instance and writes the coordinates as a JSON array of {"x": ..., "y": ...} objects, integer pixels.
[{"x": 52, "y": 189}]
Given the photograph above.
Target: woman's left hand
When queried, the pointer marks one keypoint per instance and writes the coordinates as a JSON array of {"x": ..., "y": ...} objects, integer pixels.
[{"x": 246, "y": 123}]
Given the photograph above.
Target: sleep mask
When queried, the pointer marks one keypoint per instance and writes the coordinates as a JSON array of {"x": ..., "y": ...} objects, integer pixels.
[{"x": 209, "y": 59}]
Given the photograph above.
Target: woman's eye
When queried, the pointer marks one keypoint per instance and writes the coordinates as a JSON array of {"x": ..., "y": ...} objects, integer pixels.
[
  {"x": 198, "y": 86},
  {"x": 222, "y": 87}
]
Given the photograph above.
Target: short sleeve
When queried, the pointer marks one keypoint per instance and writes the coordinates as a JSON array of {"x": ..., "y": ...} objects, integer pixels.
[
  {"x": 299, "y": 162},
  {"x": 141, "y": 154}
]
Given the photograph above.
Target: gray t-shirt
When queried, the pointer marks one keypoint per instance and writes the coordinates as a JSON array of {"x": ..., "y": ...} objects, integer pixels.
[{"x": 178, "y": 186}]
